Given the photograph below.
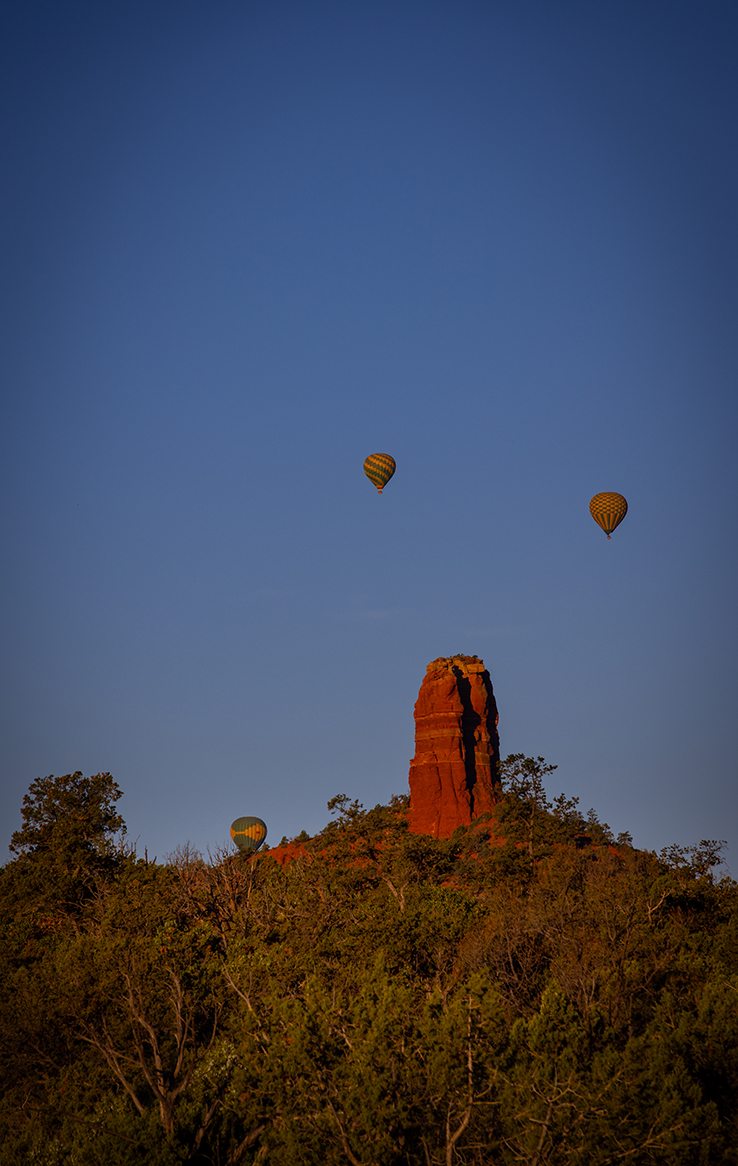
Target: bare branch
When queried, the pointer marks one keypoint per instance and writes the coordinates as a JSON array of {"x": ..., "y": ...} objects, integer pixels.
[{"x": 343, "y": 1136}]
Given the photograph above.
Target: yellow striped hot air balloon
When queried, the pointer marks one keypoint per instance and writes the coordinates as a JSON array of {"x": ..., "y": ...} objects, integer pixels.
[
  {"x": 379, "y": 468},
  {"x": 608, "y": 511},
  {"x": 248, "y": 834}
]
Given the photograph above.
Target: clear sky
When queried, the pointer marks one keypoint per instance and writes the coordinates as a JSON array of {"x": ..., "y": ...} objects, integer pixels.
[{"x": 246, "y": 244}]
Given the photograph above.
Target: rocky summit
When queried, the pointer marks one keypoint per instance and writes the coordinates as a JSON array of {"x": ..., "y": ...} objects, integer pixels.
[{"x": 453, "y": 775}]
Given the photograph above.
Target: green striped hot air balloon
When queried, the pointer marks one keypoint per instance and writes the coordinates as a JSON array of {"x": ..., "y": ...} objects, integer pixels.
[
  {"x": 608, "y": 511},
  {"x": 379, "y": 468},
  {"x": 248, "y": 834}
]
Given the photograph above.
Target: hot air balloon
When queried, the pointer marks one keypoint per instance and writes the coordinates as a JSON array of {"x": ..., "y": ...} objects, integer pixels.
[
  {"x": 608, "y": 511},
  {"x": 379, "y": 468},
  {"x": 248, "y": 834}
]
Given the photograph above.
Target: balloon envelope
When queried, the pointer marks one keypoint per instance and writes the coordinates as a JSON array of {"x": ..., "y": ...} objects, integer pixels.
[
  {"x": 248, "y": 834},
  {"x": 608, "y": 511},
  {"x": 379, "y": 468}
]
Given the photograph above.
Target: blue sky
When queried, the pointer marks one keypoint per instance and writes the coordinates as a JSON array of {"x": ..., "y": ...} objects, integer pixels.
[{"x": 247, "y": 244}]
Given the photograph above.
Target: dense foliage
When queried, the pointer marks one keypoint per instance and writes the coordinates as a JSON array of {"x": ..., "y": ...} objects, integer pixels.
[{"x": 383, "y": 998}]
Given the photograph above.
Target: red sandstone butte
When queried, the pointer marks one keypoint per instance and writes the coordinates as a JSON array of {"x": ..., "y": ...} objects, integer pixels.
[{"x": 453, "y": 775}]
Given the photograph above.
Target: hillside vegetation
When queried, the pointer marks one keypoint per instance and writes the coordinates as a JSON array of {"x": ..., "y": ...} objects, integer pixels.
[{"x": 531, "y": 990}]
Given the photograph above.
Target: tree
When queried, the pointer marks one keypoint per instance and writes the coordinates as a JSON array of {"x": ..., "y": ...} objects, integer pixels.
[
  {"x": 68, "y": 836},
  {"x": 526, "y": 803},
  {"x": 73, "y": 814},
  {"x": 695, "y": 860},
  {"x": 384, "y": 999}
]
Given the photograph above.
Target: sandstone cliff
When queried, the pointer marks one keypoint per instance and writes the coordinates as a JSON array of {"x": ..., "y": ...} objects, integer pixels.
[{"x": 453, "y": 775}]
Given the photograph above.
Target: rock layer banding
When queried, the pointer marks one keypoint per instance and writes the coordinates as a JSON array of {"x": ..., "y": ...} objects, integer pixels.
[{"x": 454, "y": 773}]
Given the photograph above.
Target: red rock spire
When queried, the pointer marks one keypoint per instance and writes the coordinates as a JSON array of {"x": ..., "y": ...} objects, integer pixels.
[{"x": 453, "y": 775}]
